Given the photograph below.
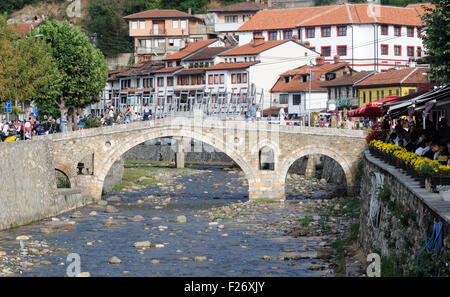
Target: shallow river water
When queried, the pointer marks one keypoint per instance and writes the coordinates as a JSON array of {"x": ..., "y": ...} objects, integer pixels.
[{"x": 233, "y": 247}]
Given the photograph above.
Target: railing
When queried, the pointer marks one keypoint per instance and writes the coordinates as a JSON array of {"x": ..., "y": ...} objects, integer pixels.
[{"x": 150, "y": 50}]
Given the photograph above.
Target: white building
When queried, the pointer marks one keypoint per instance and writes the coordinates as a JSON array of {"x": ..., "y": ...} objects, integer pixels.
[{"x": 368, "y": 37}]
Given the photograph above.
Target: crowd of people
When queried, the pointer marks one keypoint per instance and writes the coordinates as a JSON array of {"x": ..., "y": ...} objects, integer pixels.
[
  {"x": 430, "y": 143},
  {"x": 26, "y": 129}
]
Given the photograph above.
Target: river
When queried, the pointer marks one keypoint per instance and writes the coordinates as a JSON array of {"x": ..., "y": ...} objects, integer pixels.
[{"x": 224, "y": 234}]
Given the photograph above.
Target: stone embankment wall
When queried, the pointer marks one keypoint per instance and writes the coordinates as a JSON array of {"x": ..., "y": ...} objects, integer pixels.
[
  {"x": 114, "y": 176},
  {"x": 28, "y": 185},
  {"x": 395, "y": 221}
]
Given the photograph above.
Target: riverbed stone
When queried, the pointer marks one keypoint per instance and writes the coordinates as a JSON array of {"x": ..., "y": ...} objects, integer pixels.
[
  {"x": 102, "y": 203},
  {"x": 154, "y": 261},
  {"x": 110, "y": 223},
  {"x": 200, "y": 258},
  {"x": 156, "y": 219},
  {"x": 114, "y": 199},
  {"x": 111, "y": 209},
  {"x": 115, "y": 260},
  {"x": 45, "y": 230},
  {"x": 68, "y": 227},
  {"x": 23, "y": 237},
  {"x": 93, "y": 213},
  {"x": 3, "y": 254},
  {"x": 137, "y": 218},
  {"x": 83, "y": 274},
  {"x": 142, "y": 244},
  {"x": 298, "y": 255},
  {"x": 45, "y": 262},
  {"x": 77, "y": 215},
  {"x": 181, "y": 219}
]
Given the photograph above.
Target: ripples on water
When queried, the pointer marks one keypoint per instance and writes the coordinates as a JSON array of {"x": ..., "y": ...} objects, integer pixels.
[{"x": 238, "y": 254}]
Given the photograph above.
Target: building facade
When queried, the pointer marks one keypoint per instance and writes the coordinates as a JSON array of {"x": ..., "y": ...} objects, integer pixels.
[
  {"x": 158, "y": 33},
  {"x": 368, "y": 37}
]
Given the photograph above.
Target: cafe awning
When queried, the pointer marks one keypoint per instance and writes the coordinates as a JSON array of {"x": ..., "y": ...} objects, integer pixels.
[{"x": 372, "y": 109}]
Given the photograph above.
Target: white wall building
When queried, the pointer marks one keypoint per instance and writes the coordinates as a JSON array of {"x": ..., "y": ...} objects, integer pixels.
[{"x": 368, "y": 37}]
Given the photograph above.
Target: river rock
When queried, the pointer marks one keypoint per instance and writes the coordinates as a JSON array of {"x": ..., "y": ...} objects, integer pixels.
[
  {"x": 159, "y": 245},
  {"x": 77, "y": 215},
  {"x": 181, "y": 219},
  {"x": 323, "y": 181},
  {"x": 83, "y": 274},
  {"x": 324, "y": 254},
  {"x": 200, "y": 258},
  {"x": 267, "y": 258},
  {"x": 298, "y": 255},
  {"x": 137, "y": 218},
  {"x": 115, "y": 260},
  {"x": 140, "y": 201},
  {"x": 68, "y": 227},
  {"x": 142, "y": 178},
  {"x": 184, "y": 259},
  {"x": 23, "y": 237},
  {"x": 142, "y": 244},
  {"x": 102, "y": 203},
  {"x": 156, "y": 219},
  {"x": 3, "y": 254},
  {"x": 93, "y": 213},
  {"x": 114, "y": 199},
  {"x": 45, "y": 230},
  {"x": 45, "y": 262},
  {"x": 111, "y": 209},
  {"x": 110, "y": 223},
  {"x": 154, "y": 261}
]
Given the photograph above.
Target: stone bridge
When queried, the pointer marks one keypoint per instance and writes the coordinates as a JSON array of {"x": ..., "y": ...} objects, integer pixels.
[{"x": 263, "y": 151}]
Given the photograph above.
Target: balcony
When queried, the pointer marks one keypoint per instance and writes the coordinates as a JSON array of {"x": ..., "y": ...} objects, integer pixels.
[
  {"x": 158, "y": 32},
  {"x": 148, "y": 50},
  {"x": 347, "y": 101}
]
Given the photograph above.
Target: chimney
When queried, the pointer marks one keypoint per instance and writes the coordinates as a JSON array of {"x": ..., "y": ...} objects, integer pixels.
[
  {"x": 320, "y": 60},
  {"x": 189, "y": 11},
  {"x": 257, "y": 40},
  {"x": 307, "y": 44},
  {"x": 336, "y": 59}
]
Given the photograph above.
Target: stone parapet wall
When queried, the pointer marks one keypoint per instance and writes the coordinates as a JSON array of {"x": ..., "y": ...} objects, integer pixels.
[{"x": 405, "y": 215}]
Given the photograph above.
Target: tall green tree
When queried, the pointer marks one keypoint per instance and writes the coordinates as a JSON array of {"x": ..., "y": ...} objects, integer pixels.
[
  {"x": 106, "y": 24},
  {"x": 25, "y": 65},
  {"x": 80, "y": 66},
  {"x": 436, "y": 40}
]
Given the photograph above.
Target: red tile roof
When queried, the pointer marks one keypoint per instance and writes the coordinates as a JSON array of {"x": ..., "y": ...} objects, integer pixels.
[
  {"x": 159, "y": 14},
  {"x": 331, "y": 15},
  {"x": 168, "y": 69},
  {"x": 207, "y": 53},
  {"x": 296, "y": 84},
  {"x": 190, "y": 49},
  {"x": 421, "y": 7},
  {"x": 252, "y": 49},
  {"x": 23, "y": 29},
  {"x": 407, "y": 76},
  {"x": 348, "y": 80},
  {"x": 242, "y": 6},
  {"x": 225, "y": 66}
]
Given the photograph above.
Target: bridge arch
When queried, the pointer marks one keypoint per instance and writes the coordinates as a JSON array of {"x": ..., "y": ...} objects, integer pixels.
[
  {"x": 319, "y": 150},
  {"x": 118, "y": 147}
]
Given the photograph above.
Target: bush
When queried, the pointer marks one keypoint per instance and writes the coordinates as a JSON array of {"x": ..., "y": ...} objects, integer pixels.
[
  {"x": 92, "y": 123},
  {"x": 377, "y": 135}
]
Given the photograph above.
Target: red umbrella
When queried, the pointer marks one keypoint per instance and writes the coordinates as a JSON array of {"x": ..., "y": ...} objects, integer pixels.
[{"x": 371, "y": 109}]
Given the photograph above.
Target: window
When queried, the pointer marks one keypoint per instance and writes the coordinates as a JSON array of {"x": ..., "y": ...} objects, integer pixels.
[
  {"x": 160, "y": 82},
  {"x": 284, "y": 98},
  {"x": 222, "y": 78},
  {"x": 134, "y": 25},
  {"x": 231, "y": 19},
  {"x": 210, "y": 79},
  {"x": 382, "y": 94},
  {"x": 287, "y": 34},
  {"x": 384, "y": 49},
  {"x": 273, "y": 35},
  {"x": 326, "y": 31},
  {"x": 299, "y": 34},
  {"x": 419, "y": 51},
  {"x": 370, "y": 96},
  {"x": 397, "y": 92},
  {"x": 147, "y": 83},
  {"x": 342, "y": 50},
  {"x": 256, "y": 34},
  {"x": 397, "y": 30},
  {"x": 378, "y": 95},
  {"x": 126, "y": 83},
  {"x": 390, "y": 92},
  {"x": 183, "y": 24},
  {"x": 175, "y": 24},
  {"x": 310, "y": 32},
  {"x": 342, "y": 31},
  {"x": 410, "y": 31},
  {"x": 410, "y": 51},
  {"x": 364, "y": 97},
  {"x": 296, "y": 99},
  {"x": 384, "y": 29},
  {"x": 244, "y": 78},
  {"x": 397, "y": 50},
  {"x": 326, "y": 51},
  {"x": 141, "y": 25},
  {"x": 169, "y": 81}
]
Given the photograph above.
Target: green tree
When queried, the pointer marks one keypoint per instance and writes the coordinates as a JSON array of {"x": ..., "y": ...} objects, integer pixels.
[
  {"x": 436, "y": 40},
  {"x": 26, "y": 64},
  {"x": 80, "y": 66},
  {"x": 106, "y": 24}
]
